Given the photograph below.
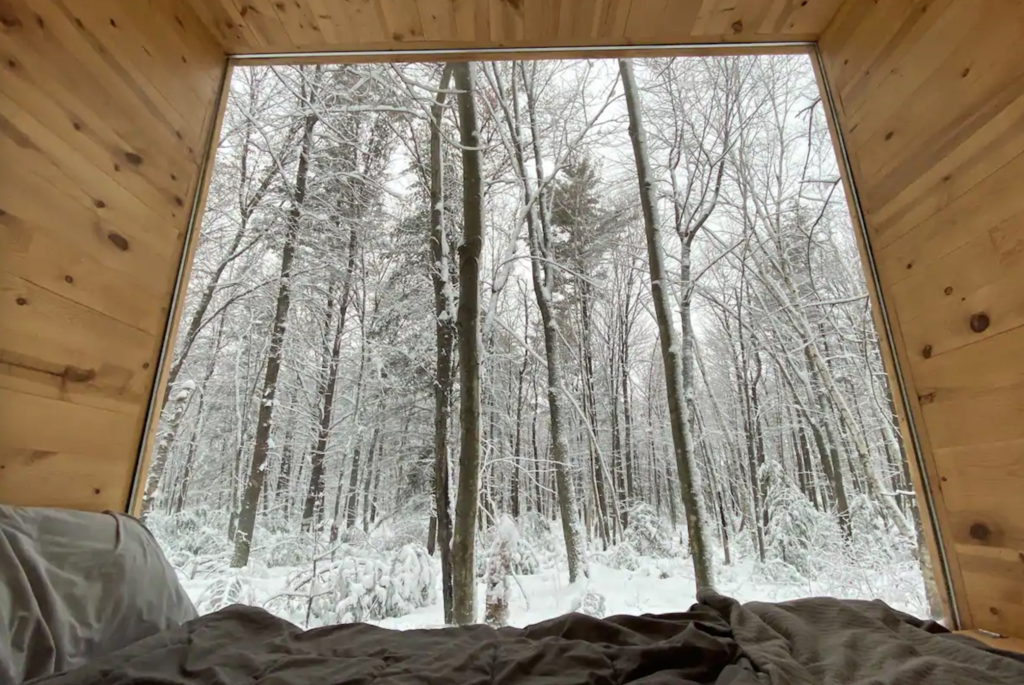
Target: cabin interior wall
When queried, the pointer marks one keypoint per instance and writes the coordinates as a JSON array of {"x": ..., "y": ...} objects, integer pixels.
[
  {"x": 930, "y": 99},
  {"x": 106, "y": 109},
  {"x": 105, "y": 113}
]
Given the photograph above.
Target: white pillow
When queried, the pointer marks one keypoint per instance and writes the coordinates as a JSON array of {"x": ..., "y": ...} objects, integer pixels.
[{"x": 77, "y": 585}]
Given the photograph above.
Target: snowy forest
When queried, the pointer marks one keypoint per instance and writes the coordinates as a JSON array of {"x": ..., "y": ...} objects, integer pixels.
[{"x": 496, "y": 341}]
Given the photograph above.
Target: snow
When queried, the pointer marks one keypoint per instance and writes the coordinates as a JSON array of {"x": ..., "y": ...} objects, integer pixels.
[
  {"x": 381, "y": 579},
  {"x": 657, "y": 586}
]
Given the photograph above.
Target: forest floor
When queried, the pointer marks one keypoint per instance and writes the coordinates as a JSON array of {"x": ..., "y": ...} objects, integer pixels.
[{"x": 656, "y": 586}]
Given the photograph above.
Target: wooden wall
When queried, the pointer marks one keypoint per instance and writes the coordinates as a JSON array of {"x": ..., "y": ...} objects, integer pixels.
[
  {"x": 930, "y": 99},
  {"x": 248, "y": 26},
  {"x": 105, "y": 112},
  {"x": 106, "y": 108}
]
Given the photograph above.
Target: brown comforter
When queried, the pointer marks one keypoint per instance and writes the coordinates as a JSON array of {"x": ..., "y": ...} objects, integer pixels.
[{"x": 812, "y": 641}]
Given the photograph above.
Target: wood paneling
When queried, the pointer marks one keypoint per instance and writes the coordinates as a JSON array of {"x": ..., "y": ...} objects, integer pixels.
[
  {"x": 105, "y": 113},
  {"x": 930, "y": 100},
  {"x": 1007, "y": 644},
  {"x": 106, "y": 109},
  {"x": 271, "y": 26}
]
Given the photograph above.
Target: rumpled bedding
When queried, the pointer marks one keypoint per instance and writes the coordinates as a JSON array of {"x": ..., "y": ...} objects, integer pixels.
[{"x": 818, "y": 641}]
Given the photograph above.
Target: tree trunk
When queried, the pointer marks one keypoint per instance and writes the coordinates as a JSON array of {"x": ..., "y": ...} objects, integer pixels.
[
  {"x": 254, "y": 484},
  {"x": 164, "y": 442},
  {"x": 517, "y": 440},
  {"x": 543, "y": 287},
  {"x": 313, "y": 510},
  {"x": 444, "y": 336},
  {"x": 467, "y": 501},
  {"x": 678, "y": 411}
]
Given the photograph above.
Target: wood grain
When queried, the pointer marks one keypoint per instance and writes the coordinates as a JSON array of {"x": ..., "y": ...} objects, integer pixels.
[
  {"x": 261, "y": 26},
  {"x": 930, "y": 97},
  {"x": 1008, "y": 644},
  {"x": 105, "y": 110}
]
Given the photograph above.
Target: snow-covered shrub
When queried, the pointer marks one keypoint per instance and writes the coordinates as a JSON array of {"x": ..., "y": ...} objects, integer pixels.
[
  {"x": 286, "y": 548},
  {"x": 536, "y": 529},
  {"x": 413, "y": 581},
  {"x": 230, "y": 588},
  {"x": 357, "y": 584},
  {"x": 399, "y": 532},
  {"x": 798, "y": 535},
  {"x": 647, "y": 533},
  {"x": 622, "y": 556},
  {"x": 194, "y": 541},
  {"x": 528, "y": 555},
  {"x": 499, "y": 568},
  {"x": 592, "y": 603}
]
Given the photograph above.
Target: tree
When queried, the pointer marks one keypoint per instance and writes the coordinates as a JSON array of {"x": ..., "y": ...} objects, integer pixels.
[
  {"x": 444, "y": 344},
  {"x": 682, "y": 439},
  {"x": 257, "y": 473},
  {"x": 467, "y": 501}
]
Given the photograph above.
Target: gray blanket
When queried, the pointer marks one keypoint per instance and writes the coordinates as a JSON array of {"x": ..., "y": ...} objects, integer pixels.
[{"x": 718, "y": 641}]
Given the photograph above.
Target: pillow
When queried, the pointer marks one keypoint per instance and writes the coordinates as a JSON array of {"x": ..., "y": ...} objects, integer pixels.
[{"x": 77, "y": 585}]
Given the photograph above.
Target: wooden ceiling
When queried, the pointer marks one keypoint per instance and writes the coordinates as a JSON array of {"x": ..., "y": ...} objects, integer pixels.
[{"x": 278, "y": 26}]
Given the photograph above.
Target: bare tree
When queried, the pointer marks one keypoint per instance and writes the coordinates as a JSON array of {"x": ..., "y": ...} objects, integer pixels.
[
  {"x": 671, "y": 355},
  {"x": 257, "y": 473},
  {"x": 467, "y": 502}
]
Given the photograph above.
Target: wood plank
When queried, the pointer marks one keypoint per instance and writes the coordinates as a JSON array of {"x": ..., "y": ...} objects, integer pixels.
[
  {"x": 797, "y": 17},
  {"x": 471, "y": 22},
  {"x": 931, "y": 95},
  {"x": 988, "y": 146},
  {"x": 36, "y": 150},
  {"x": 367, "y": 22},
  {"x": 332, "y": 20},
  {"x": 150, "y": 54},
  {"x": 967, "y": 296},
  {"x": 46, "y": 332},
  {"x": 261, "y": 19},
  {"x": 645, "y": 19},
  {"x": 146, "y": 180},
  {"x": 972, "y": 75},
  {"x": 254, "y": 26},
  {"x": 987, "y": 416},
  {"x": 991, "y": 202},
  {"x": 917, "y": 37},
  {"x": 991, "y": 364},
  {"x": 225, "y": 23},
  {"x": 41, "y": 255},
  {"x": 1007, "y": 644},
  {"x": 401, "y": 20},
  {"x": 438, "y": 19},
  {"x": 105, "y": 110},
  {"x": 996, "y": 595},
  {"x": 299, "y": 20},
  {"x": 57, "y": 61},
  {"x": 540, "y": 19},
  {"x": 507, "y": 24},
  {"x": 86, "y": 464}
]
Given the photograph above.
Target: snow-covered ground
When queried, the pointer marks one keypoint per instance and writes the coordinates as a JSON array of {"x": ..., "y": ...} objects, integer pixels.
[{"x": 658, "y": 586}]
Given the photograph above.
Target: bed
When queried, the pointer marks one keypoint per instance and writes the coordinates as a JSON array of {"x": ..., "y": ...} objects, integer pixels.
[
  {"x": 89, "y": 599},
  {"x": 818, "y": 641}
]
